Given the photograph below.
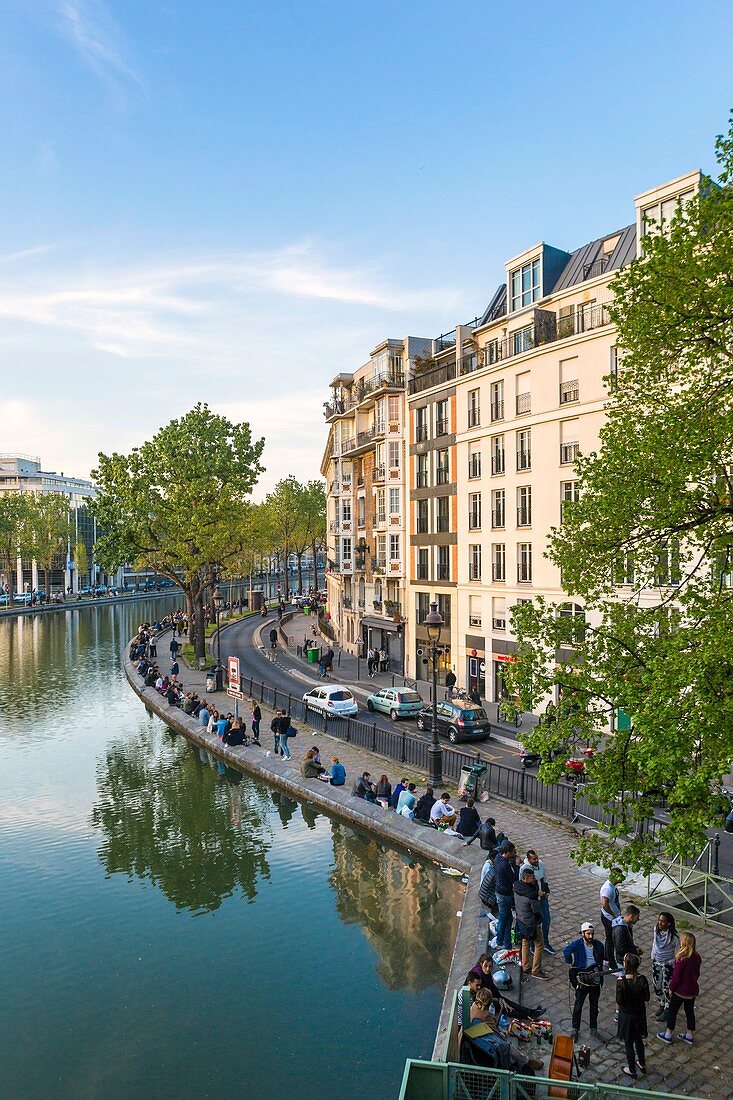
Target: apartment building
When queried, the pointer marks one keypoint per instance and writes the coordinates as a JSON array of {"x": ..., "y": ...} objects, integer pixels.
[
  {"x": 497, "y": 415},
  {"x": 364, "y": 467}
]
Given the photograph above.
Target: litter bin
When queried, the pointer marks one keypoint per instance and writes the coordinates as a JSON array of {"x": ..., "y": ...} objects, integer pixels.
[
  {"x": 472, "y": 783},
  {"x": 211, "y": 680},
  {"x": 314, "y": 655}
]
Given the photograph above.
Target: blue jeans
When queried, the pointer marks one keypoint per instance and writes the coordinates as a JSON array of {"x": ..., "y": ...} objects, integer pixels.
[
  {"x": 545, "y": 907},
  {"x": 506, "y": 919},
  {"x": 284, "y": 747}
]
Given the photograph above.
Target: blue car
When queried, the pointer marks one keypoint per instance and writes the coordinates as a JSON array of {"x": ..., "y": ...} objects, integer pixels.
[{"x": 396, "y": 702}]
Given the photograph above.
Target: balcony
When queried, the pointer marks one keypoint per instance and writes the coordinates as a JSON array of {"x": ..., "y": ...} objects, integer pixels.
[
  {"x": 347, "y": 602},
  {"x": 474, "y": 620},
  {"x": 524, "y": 517},
  {"x": 442, "y": 572},
  {"x": 474, "y": 470},
  {"x": 422, "y": 572},
  {"x": 333, "y": 526},
  {"x": 498, "y": 572},
  {"x": 442, "y": 475},
  {"x": 474, "y": 572},
  {"x": 524, "y": 460},
  {"x": 568, "y": 453},
  {"x": 498, "y": 463},
  {"x": 348, "y": 445},
  {"x": 421, "y": 433},
  {"x": 363, "y": 441},
  {"x": 421, "y": 479},
  {"x": 474, "y": 417},
  {"x": 378, "y": 474},
  {"x": 422, "y": 526},
  {"x": 442, "y": 426},
  {"x": 497, "y": 410},
  {"x": 442, "y": 526},
  {"x": 437, "y": 376},
  {"x": 392, "y": 607},
  {"x": 569, "y": 392},
  {"x": 498, "y": 519},
  {"x": 524, "y": 404},
  {"x": 498, "y": 624}
]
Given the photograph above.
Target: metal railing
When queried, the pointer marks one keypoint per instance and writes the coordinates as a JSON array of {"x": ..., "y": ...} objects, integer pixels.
[
  {"x": 437, "y": 376},
  {"x": 692, "y": 885}
]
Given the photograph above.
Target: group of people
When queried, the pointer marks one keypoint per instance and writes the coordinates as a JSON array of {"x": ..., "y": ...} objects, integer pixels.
[{"x": 377, "y": 660}]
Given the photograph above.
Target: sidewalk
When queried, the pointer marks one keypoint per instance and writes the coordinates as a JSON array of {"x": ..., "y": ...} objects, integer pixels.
[{"x": 701, "y": 1071}]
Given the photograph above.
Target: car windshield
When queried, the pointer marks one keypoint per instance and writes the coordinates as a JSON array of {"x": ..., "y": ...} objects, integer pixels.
[
  {"x": 409, "y": 697},
  {"x": 341, "y": 696},
  {"x": 474, "y": 714}
]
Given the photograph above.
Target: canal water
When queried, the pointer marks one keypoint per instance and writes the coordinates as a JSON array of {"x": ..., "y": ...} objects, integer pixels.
[{"x": 173, "y": 929}]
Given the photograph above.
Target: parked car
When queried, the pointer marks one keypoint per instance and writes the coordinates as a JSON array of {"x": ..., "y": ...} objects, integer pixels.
[
  {"x": 333, "y": 699},
  {"x": 22, "y": 597},
  {"x": 4, "y": 599},
  {"x": 458, "y": 721},
  {"x": 396, "y": 702}
]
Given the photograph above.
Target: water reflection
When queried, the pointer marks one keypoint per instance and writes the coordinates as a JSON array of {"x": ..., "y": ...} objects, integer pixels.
[{"x": 168, "y": 816}]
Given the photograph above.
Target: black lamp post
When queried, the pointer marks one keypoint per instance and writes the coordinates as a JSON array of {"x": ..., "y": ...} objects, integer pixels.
[
  {"x": 433, "y": 622},
  {"x": 218, "y": 601}
]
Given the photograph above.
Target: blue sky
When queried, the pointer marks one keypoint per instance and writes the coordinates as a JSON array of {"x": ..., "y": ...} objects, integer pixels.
[{"x": 232, "y": 202}]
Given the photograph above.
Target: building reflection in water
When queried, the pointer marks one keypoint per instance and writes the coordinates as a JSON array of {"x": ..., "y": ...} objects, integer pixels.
[{"x": 407, "y": 908}]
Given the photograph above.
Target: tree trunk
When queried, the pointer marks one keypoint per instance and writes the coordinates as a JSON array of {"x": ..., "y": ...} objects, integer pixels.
[
  {"x": 189, "y": 612},
  {"x": 300, "y": 571},
  {"x": 199, "y": 637},
  {"x": 315, "y": 566},
  {"x": 286, "y": 575}
]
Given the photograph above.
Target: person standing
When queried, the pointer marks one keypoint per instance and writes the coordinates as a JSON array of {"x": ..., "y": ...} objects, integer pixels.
[
  {"x": 610, "y": 909},
  {"x": 275, "y": 727},
  {"x": 327, "y": 663},
  {"x": 584, "y": 956},
  {"x": 684, "y": 989},
  {"x": 506, "y": 873},
  {"x": 535, "y": 864},
  {"x": 529, "y": 922},
  {"x": 256, "y": 719},
  {"x": 665, "y": 945},
  {"x": 450, "y": 683},
  {"x": 286, "y": 731},
  {"x": 632, "y": 995},
  {"x": 622, "y": 929}
]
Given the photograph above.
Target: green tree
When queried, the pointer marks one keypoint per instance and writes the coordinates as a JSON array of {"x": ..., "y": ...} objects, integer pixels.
[
  {"x": 315, "y": 513},
  {"x": 284, "y": 512},
  {"x": 81, "y": 560},
  {"x": 48, "y": 525},
  {"x": 14, "y": 513},
  {"x": 174, "y": 504},
  {"x": 655, "y": 512}
]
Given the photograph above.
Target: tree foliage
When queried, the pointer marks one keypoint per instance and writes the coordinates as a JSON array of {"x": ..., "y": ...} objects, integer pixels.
[
  {"x": 48, "y": 527},
  {"x": 655, "y": 511},
  {"x": 14, "y": 532},
  {"x": 175, "y": 504}
]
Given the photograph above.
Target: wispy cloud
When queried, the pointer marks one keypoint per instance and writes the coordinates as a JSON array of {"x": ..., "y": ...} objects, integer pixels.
[{"x": 95, "y": 34}]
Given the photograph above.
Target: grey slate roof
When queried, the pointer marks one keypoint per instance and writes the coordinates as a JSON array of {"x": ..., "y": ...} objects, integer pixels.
[
  {"x": 496, "y": 307},
  {"x": 580, "y": 266}
]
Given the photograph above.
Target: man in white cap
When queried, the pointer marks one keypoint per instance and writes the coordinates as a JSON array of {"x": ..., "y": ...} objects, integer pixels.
[{"x": 584, "y": 956}]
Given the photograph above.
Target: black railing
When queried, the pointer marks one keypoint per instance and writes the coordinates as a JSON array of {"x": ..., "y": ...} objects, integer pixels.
[{"x": 438, "y": 376}]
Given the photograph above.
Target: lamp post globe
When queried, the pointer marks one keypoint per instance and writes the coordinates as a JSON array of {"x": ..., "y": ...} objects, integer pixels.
[{"x": 433, "y": 623}]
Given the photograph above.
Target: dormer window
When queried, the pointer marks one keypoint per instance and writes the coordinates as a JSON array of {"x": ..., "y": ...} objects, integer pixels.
[
  {"x": 524, "y": 285},
  {"x": 657, "y": 217}
]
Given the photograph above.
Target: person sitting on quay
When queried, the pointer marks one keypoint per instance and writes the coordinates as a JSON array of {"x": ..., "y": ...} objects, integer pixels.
[
  {"x": 173, "y": 695},
  {"x": 424, "y": 805},
  {"x": 443, "y": 813},
  {"x": 364, "y": 788},
  {"x": 495, "y": 1042},
  {"x": 399, "y": 788},
  {"x": 213, "y": 719},
  {"x": 236, "y": 734},
  {"x": 222, "y": 726},
  {"x": 468, "y": 819},
  {"x": 487, "y": 836},
  {"x": 483, "y": 971},
  {"x": 338, "y": 772},
  {"x": 407, "y": 801},
  {"x": 384, "y": 789},
  {"x": 151, "y": 676},
  {"x": 190, "y": 702},
  {"x": 310, "y": 768}
]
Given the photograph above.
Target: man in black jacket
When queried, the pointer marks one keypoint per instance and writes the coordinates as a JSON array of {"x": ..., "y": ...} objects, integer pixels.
[
  {"x": 529, "y": 922},
  {"x": 505, "y": 867},
  {"x": 622, "y": 929},
  {"x": 487, "y": 836}
]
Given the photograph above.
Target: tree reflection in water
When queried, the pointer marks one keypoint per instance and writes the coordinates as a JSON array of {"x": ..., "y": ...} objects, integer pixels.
[
  {"x": 407, "y": 908},
  {"x": 169, "y": 817}
]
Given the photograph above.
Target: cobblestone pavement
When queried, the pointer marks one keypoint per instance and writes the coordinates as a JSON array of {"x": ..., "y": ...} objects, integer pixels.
[{"x": 706, "y": 1070}]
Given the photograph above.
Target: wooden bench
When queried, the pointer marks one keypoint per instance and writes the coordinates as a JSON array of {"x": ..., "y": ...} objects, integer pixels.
[{"x": 561, "y": 1064}]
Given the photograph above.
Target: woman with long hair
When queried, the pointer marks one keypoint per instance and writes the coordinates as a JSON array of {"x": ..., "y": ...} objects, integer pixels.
[
  {"x": 632, "y": 994},
  {"x": 665, "y": 944},
  {"x": 684, "y": 989}
]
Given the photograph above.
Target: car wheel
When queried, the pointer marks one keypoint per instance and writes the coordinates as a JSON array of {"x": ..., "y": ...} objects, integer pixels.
[
  {"x": 370, "y": 705},
  {"x": 453, "y": 735},
  {"x": 393, "y": 714},
  {"x": 421, "y": 723}
]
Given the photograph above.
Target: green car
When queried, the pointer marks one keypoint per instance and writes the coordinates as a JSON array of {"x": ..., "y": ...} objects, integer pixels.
[{"x": 396, "y": 702}]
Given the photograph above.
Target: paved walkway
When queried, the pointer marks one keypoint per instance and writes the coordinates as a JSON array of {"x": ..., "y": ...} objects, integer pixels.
[{"x": 703, "y": 1071}]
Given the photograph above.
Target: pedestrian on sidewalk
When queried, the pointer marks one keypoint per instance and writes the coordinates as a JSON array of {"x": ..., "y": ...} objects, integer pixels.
[
  {"x": 450, "y": 683},
  {"x": 371, "y": 662},
  {"x": 507, "y": 872},
  {"x": 529, "y": 922},
  {"x": 684, "y": 989},
  {"x": 623, "y": 935},
  {"x": 326, "y": 663},
  {"x": 665, "y": 945},
  {"x": 256, "y": 719},
  {"x": 286, "y": 731},
  {"x": 632, "y": 995},
  {"x": 610, "y": 909},
  {"x": 584, "y": 956},
  {"x": 275, "y": 727}
]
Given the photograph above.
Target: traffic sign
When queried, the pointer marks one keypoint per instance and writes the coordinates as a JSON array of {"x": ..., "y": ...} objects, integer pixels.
[{"x": 233, "y": 687}]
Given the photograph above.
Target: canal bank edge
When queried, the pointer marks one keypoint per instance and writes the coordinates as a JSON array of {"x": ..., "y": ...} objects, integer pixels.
[{"x": 471, "y": 934}]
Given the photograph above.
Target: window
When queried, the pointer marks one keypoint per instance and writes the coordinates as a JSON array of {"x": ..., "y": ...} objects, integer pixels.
[
  {"x": 395, "y": 448},
  {"x": 442, "y": 473},
  {"x": 421, "y": 472},
  {"x": 474, "y": 511},
  {"x": 422, "y": 605},
  {"x": 569, "y": 452},
  {"x": 572, "y": 617},
  {"x": 498, "y": 561},
  {"x": 474, "y": 562},
  {"x": 381, "y": 513},
  {"x": 497, "y": 454},
  {"x": 382, "y": 551},
  {"x": 474, "y": 408},
  {"x": 346, "y": 550},
  {"x": 569, "y": 391},
  {"x": 443, "y": 570},
  {"x": 524, "y": 285},
  {"x": 569, "y": 493},
  {"x": 421, "y": 425},
  {"x": 346, "y": 510},
  {"x": 524, "y": 450},
  {"x": 668, "y": 565},
  {"x": 442, "y": 423},
  {"x": 474, "y": 611},
  {"x": 443, "y": 524},
  {"x": 422, "y": 564},
  {"x": 394, "y": 502},
  {"x": 474, "y": 464},
  {"x": 393, "y": 406},
  {"x": 524, "y": 506},
  {"x": 361, "y": 511},
  {"x": 624, "y": 571},
  {"x": 498, "y": 613},
  {"x": 613, "y": 364},
  {"x": 522, "y": 340},
  {"x": 657, "y": 217},
  {"x": 422, "y": 517},
  {"x": 444, "y": 601},
  {"x": 498, "y": 508},
  {"x": 524, "y": 562},
  {"x": 497, "y": 400},
  {"x": 394, "y": 548}
]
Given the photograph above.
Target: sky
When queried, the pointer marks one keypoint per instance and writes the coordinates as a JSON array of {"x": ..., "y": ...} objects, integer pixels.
[{"x": 232, "y": 202}]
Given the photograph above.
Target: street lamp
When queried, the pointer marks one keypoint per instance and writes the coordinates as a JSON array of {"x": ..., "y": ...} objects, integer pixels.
[
  {"x": 218, "y": 601},
  {"x": 433, "y": 623}
]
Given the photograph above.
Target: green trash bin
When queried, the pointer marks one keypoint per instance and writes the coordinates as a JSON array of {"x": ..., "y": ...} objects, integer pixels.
[{"x": 314, "y": 655}]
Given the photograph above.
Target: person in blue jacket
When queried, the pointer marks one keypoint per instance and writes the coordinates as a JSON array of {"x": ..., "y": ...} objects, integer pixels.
[
  {"x": 585, "y": 957},
  {"x": 338, "y": 772}
]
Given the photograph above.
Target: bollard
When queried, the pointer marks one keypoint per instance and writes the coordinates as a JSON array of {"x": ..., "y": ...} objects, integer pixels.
[
  {"x": 358, "y": 667},
  {"x": 523, "y": 776},
  {"x": 374, "y": 737},
  {"x": 338, "y": 662},
  {"x": 716, "y": 848},
  {"x": 393, "y": 679},
  {"x": 348, "y": 729}
]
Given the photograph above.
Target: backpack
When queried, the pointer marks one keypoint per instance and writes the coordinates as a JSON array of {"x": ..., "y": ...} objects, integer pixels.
[{"x": 486, "y": 891}]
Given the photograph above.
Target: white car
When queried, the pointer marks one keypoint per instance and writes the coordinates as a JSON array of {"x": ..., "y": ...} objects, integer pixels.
[{"x": 333, "y": 699}]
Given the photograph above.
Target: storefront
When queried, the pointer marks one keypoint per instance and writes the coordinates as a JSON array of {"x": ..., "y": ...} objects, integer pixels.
[{"x": 386, "y": 636}]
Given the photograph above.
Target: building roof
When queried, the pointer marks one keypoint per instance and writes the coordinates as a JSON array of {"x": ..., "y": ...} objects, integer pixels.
[{"x": 588, "y": 260}]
